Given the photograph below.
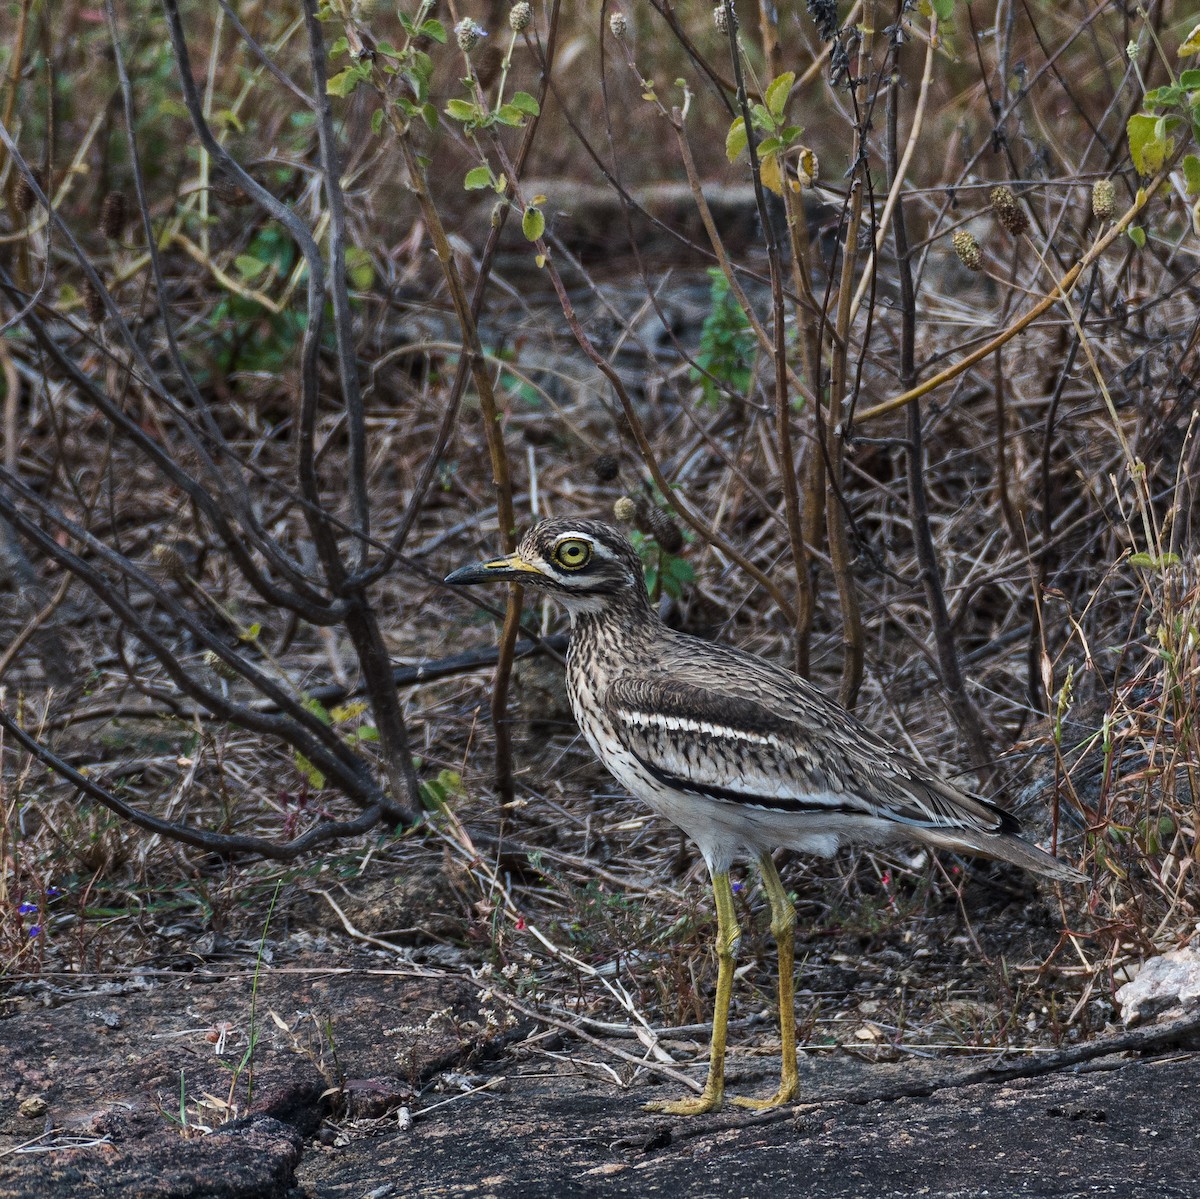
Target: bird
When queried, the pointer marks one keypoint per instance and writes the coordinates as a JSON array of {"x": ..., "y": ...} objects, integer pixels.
[{"x": 743, "y": 755}]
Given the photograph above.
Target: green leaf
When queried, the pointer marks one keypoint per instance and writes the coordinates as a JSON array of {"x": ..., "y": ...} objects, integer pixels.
[
  {"x": 344, "y": 82},
  {"x": 1147, "y": 146},
  {"x": 248, "y": 266},
  {"x": 1189, "y": 80},
  {"x": 1191, "y": 174},
  {"x": 461, "y": 110},
  {"x": 377, "y": 121},
  {"x": 316, "y": 779},
  {"x": 359, "y": 268},
  {"x": 510, "y": 114},
  {"x": 680, "y": 568},
  {"x": 429, "y": 114},
  {"x": 533, "y": 223},
  {"x": 944, "y": 9},
  {"x": 529, "y": 106},
  {"x": 769, "y": 145},
  {"x": 735, "y": 139},
  {"x": 777, "y": 93},
  {"x": 1163, "y": 97},
  {"x": 435, "y": 31},
  {"x": 340, "y": 46},
  {"x": 1137, "y": 235},
  {"x": 478, "y": 178}
]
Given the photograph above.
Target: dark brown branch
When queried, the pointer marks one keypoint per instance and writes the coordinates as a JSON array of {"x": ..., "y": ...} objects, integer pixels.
[{"x": 225, "y": 844}]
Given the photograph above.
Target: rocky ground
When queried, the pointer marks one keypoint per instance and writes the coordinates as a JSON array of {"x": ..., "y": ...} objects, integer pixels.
[{"x": 371, "y": 1076}]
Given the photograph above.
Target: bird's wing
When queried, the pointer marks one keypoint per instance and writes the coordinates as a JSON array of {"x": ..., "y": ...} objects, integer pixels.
[{"x": 771, "y": 741}]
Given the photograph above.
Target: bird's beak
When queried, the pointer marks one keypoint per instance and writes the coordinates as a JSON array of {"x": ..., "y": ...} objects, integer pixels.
[{"x": 512, "y": 569}]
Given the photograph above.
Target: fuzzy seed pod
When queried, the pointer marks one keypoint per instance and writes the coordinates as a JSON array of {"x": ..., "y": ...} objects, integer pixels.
[
  {"x": 625, "y": 510},
  {"x": 721, "y": 19},
  {"x": 218, "y": 665},
  {"x": 114, "y": 214},
  {"x": 1008, "y": 211},
  {"x": 169, "y": 560},
  {"x": 467, "y": 34},
  {"x": 606, "y": 467},
  {"x": 488, "y": 64},
  {"x": 967, "y": 249},
  {"x": 654, "y": 522},
  {"x": 23, "y": 195},
  {"x": 1104, "y": 199},
  {"x": 93, "y": 303},
  {"x": 618, "y": 25},
  {"x": 519, "y": 16}
]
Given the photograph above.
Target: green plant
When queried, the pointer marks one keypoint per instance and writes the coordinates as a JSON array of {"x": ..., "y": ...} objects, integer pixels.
[
  {"x": 725, "y": 361},
  {"x": 665, "y": 573},
  {"x": 342, "y": 717},
  {"x": 1170, "y": 110}
]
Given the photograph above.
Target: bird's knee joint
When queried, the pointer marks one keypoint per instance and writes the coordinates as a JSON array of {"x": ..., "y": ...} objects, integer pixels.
[{"x": 783, "y": 925}]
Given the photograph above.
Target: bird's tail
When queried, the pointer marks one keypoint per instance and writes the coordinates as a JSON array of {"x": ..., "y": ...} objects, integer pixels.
[{"x": 1007, "y": 848}]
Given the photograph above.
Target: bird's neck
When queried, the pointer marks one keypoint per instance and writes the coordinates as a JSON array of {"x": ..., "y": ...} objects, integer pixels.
[{"x": 623, "y": 618}]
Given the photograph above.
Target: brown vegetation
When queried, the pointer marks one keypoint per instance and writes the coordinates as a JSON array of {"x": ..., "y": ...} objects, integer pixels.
[{"x": 250, "y": 421}]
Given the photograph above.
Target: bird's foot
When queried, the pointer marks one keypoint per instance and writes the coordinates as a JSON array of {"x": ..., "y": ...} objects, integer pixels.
[
  {"x": 696, "y": 1105},
  {"x": 785, "y": 1095}
]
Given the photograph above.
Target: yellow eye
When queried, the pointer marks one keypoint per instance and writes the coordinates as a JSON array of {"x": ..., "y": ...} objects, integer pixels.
[{"x": 573, "y": 553}]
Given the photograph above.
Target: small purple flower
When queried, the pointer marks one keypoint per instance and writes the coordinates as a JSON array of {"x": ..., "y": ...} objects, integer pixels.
[
  {"x": 52, "y": 892},
  {"x": 27, "y": 908},
  {"x": 737, "y": 888},
  {"x": 35, "y": 930}
]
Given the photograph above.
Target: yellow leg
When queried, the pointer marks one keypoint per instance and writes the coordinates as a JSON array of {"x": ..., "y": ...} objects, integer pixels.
[
  {"x": 728, "y": 933},
  {"x": 783, "y": 924}
]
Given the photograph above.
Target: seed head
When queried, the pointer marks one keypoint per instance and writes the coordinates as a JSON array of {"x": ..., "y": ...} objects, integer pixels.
[
  {"x": 625, "y": 510},
  {"x": 654, "y": 522},
  {"x": 606, "y": 467},
  {"x": 488, "y": 64},
  {"x": 1008, "y": 211},
  {"x": 1104, "y": 199},
  {"x": 468, "y": 34},
  {"x": 114, "y": 214},
  {"x": 519, "y": 16},
  {"x": 721, "y": 19},
  {"x": 967, "y": 249},
  {"x": 618, "y": 25},
  {"x": 169, "y": 560},
  {"x": 23, "y": 194},
  {"x": 93, "y": 303}
]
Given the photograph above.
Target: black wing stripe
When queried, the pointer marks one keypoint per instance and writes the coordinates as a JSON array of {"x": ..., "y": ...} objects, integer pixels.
[
  {"x": 787, "y": 803},
  {"x": 772, "y": 803}
]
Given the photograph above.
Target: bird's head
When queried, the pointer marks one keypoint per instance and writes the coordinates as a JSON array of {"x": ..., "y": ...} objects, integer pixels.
[{"x": 585, "y": 564}]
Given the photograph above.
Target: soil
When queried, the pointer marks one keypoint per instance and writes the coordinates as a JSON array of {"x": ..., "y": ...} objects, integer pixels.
[{"x": 374, "y": 1076}]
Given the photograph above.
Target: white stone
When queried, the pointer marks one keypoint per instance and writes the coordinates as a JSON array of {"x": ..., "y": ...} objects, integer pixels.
[{"x": 1170, "y": 983}]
